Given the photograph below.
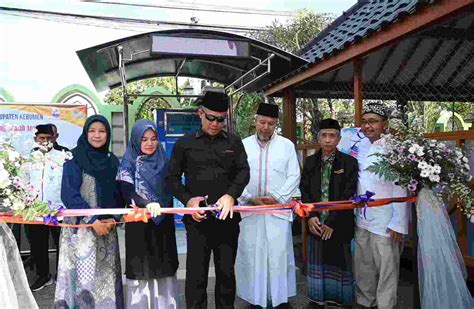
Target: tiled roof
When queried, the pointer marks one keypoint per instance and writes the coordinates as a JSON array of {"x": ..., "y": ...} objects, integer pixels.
[{"x": 362, "y": 19}]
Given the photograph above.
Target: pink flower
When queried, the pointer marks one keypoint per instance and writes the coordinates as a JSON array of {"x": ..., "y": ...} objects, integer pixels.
[
  {"x": 411, "y": 188},
  {"x": 411, "y": 157}
]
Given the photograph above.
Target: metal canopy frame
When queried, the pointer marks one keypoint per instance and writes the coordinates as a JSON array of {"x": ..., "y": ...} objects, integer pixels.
[
  {"x": 231, "y": 122},
  {"x": 117, "y": 63}
]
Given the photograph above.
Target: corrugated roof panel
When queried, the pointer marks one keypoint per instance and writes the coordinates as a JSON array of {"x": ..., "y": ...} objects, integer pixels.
[{"x": 364, "y": 18}]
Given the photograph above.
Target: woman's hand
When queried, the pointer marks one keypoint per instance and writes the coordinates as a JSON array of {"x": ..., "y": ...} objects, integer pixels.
[
  {"x": 100, "y": 228},
  {"x": 154, "y": 209},
  {"x": 109, "y": 224}
]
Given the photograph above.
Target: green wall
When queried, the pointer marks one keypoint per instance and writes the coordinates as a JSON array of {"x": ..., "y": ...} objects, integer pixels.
[
  {"x": 6, "y": 95},
  {"x": 107, "y": 109}
]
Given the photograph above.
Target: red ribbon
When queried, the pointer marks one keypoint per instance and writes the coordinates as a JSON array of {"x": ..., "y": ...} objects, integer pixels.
[{"x": 301, "y": 209}]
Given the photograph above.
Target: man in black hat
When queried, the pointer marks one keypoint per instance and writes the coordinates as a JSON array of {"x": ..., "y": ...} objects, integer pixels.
[
  {"x": 330, "y": 175},
  {"x": 55, "y": 139},
  {"x": 214, "y": 164},
  {"x": 265, "y": 266}
]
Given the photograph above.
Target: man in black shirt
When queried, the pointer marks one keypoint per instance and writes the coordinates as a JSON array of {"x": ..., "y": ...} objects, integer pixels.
[{"x": 214, "y": 164}]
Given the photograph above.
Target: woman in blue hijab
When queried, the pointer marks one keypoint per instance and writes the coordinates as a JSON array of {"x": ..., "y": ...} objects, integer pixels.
[
  {"x": 151, "y": 254},
  {"x": 89, "y": 273}
]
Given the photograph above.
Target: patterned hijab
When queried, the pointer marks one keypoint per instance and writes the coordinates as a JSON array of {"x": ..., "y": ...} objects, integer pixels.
[
  {"x": 147, "y": 173},
  {"x": 98, "y": 162}
]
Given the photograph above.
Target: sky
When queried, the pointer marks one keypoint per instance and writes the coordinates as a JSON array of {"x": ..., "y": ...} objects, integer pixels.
[{"x": 37, "y": 53}]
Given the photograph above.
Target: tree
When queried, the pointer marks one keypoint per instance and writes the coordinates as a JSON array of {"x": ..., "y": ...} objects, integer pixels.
[
  {"x": 291, "y": 36},
  {"x": 246, "y": 107},
  {"x": 115, "y": 96},
  {"x": 431, "y": 111}
]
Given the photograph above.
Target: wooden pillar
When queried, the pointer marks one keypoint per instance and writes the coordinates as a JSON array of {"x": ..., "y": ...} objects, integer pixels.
[
  {"x": 461, "y": 218},
  {"x": 289, "y": 115},
  {"x": 358, "y": 91}
]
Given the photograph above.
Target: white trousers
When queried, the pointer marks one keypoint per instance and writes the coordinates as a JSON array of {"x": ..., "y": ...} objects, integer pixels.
[{"x": 376, "y": 269}]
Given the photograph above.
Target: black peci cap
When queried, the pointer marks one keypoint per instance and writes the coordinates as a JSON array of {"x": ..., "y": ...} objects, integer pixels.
[
  {"x": 329, "y": 123},
  {"x": 215, "y": 101},
  {"x": 269, "y": 110}
]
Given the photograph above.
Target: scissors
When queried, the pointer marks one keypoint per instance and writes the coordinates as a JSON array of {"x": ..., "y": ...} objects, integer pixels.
[{"x": 212, "y": 213}]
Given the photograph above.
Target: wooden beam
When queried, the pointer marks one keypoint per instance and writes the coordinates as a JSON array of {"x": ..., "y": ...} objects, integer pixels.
[
  {"x": 304, "y": 247},
  {"x": 462, "y": 232},
  {"x": 358, "y": 91},
  {"x": 449, "y": 33},
  {"x": 289, "y": 115},
  {"x": 424, "y": 18},
  {"x": 469, "y": 260},
  {"x": 387, "y": 91},
  {"x": 455, "y": 135}
]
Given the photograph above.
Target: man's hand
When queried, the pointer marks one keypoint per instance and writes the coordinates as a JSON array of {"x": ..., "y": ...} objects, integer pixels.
[
  {"x": 100, "y": 228},
  {"x": 256, "y": 201},
  {"x": 395, "y": 236},
  {"x": 315, "y": 226},
  {"x": 194, "y": 203},
  {"x": 327, "y": 232},
  {"x": 226, "y": 206},
  {"x": 263, "y": 200},
  {"x": 268, "y": 200}
]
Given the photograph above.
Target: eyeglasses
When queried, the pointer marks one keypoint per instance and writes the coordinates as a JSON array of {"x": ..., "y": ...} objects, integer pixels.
[
  {"x": 212, "y": 118},
  {"x": 369, "y": 122}
]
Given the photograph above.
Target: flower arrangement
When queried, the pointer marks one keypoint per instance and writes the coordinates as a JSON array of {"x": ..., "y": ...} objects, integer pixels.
[
  {"x": 416, "y": 162},
  {"x": 17, "y": 192}
]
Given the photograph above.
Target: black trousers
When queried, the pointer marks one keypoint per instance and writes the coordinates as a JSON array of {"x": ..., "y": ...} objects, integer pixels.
[
  {"x": 220, "y": 237},
  {"x": 39, "y": 244}
]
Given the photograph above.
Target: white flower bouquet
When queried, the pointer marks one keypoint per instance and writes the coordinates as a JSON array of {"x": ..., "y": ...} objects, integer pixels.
[
  {"x": 416, "y": 162},
  {"x": 17, "y": 193}
]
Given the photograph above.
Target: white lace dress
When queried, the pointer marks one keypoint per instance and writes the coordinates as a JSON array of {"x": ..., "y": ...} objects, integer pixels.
[{"x": 14, "y": 289}]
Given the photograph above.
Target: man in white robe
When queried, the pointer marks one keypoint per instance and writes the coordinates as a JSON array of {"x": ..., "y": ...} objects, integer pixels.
[
  {"x": 265, "y": 266},
  {"x": 379, "y": 230}
]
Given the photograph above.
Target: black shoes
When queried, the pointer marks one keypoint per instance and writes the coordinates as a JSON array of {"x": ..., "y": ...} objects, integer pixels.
[{"x": 41, "y": 282}]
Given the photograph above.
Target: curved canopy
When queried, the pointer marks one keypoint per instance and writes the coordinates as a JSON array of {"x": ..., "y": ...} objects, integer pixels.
[{"x": 102, "y": 62}]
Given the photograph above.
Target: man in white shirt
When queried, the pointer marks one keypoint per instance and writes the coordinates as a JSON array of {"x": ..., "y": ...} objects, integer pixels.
[
  {"x": 44, "y": 173},
  {"x": 379, "y": 230},
  {"x": 265, "y": 266}
]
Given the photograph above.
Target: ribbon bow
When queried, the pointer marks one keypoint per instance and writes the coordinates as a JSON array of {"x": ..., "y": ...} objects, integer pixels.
[
  {"x": 53, "y": 218},
  {"x": 300, "y": 209},
  {"x": 138, "y": 215},
  {"x": 363, "y": 199},
  {"x": 50, "y": 219}
]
